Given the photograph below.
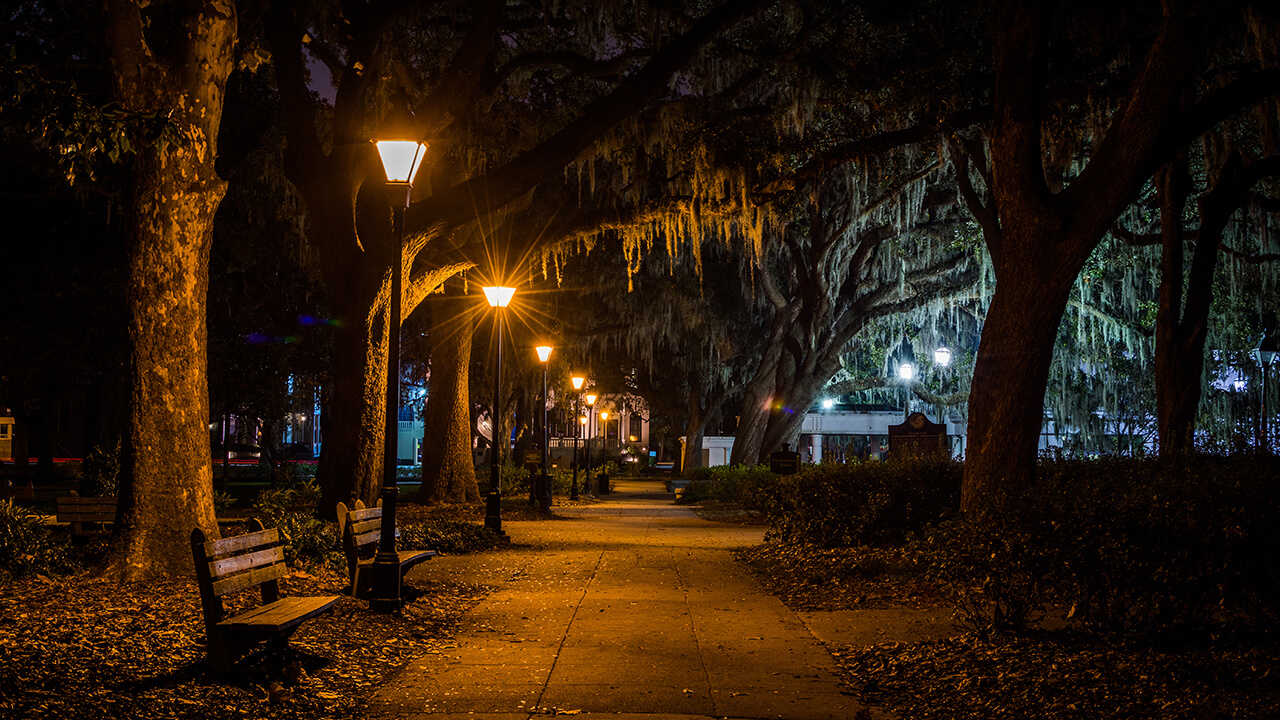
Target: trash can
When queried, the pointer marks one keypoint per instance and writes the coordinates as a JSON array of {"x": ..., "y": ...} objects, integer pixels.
[{"x": 603, "y": 479}]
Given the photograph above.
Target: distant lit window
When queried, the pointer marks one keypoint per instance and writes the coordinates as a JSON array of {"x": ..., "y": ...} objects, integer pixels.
[{"x": 4, "y": 431}]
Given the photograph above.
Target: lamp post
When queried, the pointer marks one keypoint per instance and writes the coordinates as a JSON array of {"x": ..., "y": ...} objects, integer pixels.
[
  {"x": 942, "y": 358},
  {"x": 577, "y": 381},
  {"x": 498, "y": 298},
  {"x": 906, "y": 371},
  {"x": 1264, "y": 355},
  {"x": 586, "y": 479},
  {"x": 544, "y": 496},
  {"x": 401, "y": 152}
]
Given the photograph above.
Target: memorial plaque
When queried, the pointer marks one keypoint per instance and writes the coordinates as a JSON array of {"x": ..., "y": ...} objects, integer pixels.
[
  {"x": 917, "y": 437},
  {"x": 784, "y": 462}
]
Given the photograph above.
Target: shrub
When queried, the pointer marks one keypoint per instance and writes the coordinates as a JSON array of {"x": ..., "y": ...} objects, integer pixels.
[
  {"x": 866, "y": 503},
  {"x": 98, "y": 472},
  {"x": 27, "y": 546},
  {"x": 454, "y": 537},
  {"x": 729, "y": 483},
  {"x": 308, "y": 540},
  {"x": 1121, "y": 544}
]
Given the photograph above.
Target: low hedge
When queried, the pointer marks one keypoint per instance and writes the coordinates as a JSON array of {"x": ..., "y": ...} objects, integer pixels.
[
  {"x": 1123, "y": 545},
  {"x": 879, "y": 504}
]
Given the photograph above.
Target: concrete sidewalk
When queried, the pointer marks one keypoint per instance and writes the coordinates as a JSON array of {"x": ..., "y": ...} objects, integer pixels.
[{"x": 632, "y": 607}]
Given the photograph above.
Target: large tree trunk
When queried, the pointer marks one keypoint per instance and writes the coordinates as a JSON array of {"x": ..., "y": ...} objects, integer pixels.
[
  {"x": 1006, "y": 405},
  {"x": 756, "y": 403},
  {"x": 357, "y": 278},
  {"x": 448, "y": 468},
  {"x": 1178, "y": 360},
  {"x": 167, "y": 487},
  {"x": 1042, "y": 239}
]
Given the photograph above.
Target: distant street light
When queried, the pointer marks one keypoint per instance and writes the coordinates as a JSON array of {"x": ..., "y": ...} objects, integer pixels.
[
  {"x": 577, "y": 381},
  {"x": 942, "y": 358},
  {"x": 828, "y": 404},
  {"x": 401, "y": 150},
  {"x": 906, "y": 371},
  {"x": 499, "y": 298},
  {"x": 1264, "y": 355},
  {"x": 543, "y": 490}
]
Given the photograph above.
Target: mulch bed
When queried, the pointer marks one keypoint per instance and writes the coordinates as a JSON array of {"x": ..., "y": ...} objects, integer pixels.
[
  {"x": 1058, "y": 674},
  {"x": 82, "y": 648}
]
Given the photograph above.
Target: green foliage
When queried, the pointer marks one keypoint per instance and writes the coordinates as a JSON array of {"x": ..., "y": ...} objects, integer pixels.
[
  {"x": 867, "y": 503},
  {"x": 98, "y": 472},
  {"x": 222, "y": 502},
  {"x": 728, "y": 483},
  {"x": 27, "y": 546},
  {"x": 291, "y": 509},
  {"x": 454, "y": 537},
  {"x": 308, "y": 540},
  {"x": 1120, "y": 544}
]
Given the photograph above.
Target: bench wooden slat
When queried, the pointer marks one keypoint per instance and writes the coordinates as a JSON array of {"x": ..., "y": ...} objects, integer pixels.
[
  {"x": 360, "y": 527},
  {"x": 280, "y": 615},
  {"x": 97, "y": 516},
  {"x": 253, "y": 577},
  {"x": 239, "y": 563},
  {"x": 365, "y": 514},
  {"x": 240, "y": 543}
]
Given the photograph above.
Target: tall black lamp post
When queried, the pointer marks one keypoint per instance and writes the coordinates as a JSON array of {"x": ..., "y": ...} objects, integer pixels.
[
  {"x": 401, "y": 152},
  {"x": 499, "y": 298},
  {"x": 577, "y": 381},
  {"x": 591, "y": 401},
  {"x": 1264, "y": 355},
  {"x": 544, "y": 498}
]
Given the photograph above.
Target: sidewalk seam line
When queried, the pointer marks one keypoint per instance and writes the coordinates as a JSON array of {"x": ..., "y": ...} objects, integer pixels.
[{"x": 595, "y": 571}]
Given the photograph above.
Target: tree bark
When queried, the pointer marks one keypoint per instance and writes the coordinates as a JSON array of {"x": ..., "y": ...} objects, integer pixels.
[
  {"x": 174, "y": 191},
  {"x": 1043, "y": 239},
  {"x": 448, "y": 468}
]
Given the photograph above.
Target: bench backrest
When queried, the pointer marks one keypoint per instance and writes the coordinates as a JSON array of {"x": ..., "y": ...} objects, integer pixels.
[
  {"x": 236, "y": 563},
  {"x": 77, "y": 510}
]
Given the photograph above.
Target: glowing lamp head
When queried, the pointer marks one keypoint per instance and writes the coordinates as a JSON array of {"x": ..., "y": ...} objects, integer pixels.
[
  {"x": 499, "y": 296},
  {"x": 942, "y": 356},
  {"x": 399, "y": 143},
  {"x": 828, "y": 404},
  {"x": 906, "y": 371},
  {"x": 604, "y": 414},
  {"x": 401, "y": 159},
  {"x": 544, "y": 353},
  {"x": 577, "y": 382},
  {"x": 582, "y": 419},
  {"x": 591, "y": 398}
]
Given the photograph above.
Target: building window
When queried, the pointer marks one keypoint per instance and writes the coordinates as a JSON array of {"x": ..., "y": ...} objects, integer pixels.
[{"x": 4, "y": 431}]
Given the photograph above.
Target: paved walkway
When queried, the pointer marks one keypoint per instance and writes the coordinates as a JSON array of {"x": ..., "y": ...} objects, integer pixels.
[{"x": 633, "y": 607}]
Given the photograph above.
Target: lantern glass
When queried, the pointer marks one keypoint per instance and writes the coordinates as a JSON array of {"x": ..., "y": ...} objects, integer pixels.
[
  {"x": 544, "y": 353},
  {"x": 401, "y": 159},
  {"x": 499, "y": 296}
]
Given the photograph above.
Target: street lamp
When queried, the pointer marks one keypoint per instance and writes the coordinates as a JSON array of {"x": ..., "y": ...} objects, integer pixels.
[
  {"x": 906, "y": 371},
  {"x": 498, "y": 298},
  {"x": 544, "y": 496},
  {"x": 591, "y": 401},
  {"x": 1264, "y": 355},
  {"x": 577, "y": 381},
  {"x": 942, "y": 358},
  {"x": 401, "y": 151}
]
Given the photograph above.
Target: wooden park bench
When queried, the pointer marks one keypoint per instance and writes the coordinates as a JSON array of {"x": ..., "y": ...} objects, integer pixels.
[
  {"x": 241, "y": 563},
  {"x": 88, "y": 516},
  {"x": 361, "y": 529}
]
